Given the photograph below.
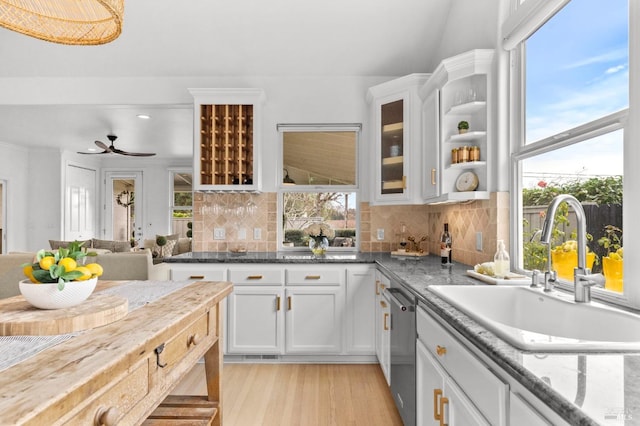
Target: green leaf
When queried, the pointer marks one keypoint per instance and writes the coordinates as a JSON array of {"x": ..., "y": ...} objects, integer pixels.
[{"x": 60, "y": 284}]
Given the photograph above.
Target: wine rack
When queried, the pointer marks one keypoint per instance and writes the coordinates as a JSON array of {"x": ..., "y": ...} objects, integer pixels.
[{"x": 226, "y": 144}]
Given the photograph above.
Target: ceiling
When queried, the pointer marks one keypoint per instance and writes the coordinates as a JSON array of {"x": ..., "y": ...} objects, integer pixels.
[{"x": 205, "y": 38}]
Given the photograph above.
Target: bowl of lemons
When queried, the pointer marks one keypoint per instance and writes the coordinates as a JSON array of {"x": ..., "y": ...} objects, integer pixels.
[{"x": 57, "y": 280}]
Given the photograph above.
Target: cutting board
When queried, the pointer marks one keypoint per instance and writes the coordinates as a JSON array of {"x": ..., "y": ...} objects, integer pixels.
[
  {"x": 511, "y": 279},
  {"x": 19, "y": 318}
]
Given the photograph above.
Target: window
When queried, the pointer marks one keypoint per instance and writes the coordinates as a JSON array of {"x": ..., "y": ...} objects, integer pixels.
[
  {"x": 181, "y": 202},
  {"x": 573, "y": 89},
  {"x": 318, "y": 184}
]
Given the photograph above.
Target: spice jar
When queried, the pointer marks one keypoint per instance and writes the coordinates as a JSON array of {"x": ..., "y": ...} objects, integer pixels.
[
  {"x": 454, "y": 156},
  {"x": 474, "y": 153}
]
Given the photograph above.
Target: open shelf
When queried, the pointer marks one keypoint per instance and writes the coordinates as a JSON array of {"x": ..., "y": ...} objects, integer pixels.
[{"x": 467, "y": 108}]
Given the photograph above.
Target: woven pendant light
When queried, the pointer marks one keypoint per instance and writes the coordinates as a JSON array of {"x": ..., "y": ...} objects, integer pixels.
[{"x": 79, "y": 22}]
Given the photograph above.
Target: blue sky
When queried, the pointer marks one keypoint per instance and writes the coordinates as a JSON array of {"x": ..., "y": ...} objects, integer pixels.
[{"x": 577, "y": 70}]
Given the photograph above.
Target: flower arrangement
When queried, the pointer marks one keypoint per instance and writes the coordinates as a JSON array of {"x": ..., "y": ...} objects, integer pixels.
[
  {"x": 318, "y": 231},
  {"x": 62, "y": 266}
]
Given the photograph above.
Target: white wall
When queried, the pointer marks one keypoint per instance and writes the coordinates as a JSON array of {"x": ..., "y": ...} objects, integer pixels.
[{"x": 14, "y": 169}]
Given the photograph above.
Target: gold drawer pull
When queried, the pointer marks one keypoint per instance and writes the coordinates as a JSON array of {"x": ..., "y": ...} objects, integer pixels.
[
  {"x": 443, "y": 401},
  {"x": 194, "y": 339},
  {"x": 277, "y": 303},
  {"x": 383, "y": 304},
  {"x": 106, "y": 416},
  {"x": 196, "y": 277},
  {"x": 385, "y": 325},
  {"x": 441, "y": 350},
  {"x": 254, "y": 277},
  {"x": 312, "y": 277},
  {"x": 433, "y": 176},
  {"x": 437, "y": 393},
  {"x": 377, "y": 287}
]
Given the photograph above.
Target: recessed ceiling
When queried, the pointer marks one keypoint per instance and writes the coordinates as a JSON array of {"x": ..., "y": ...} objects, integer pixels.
[{"x": 205, "y": 38}]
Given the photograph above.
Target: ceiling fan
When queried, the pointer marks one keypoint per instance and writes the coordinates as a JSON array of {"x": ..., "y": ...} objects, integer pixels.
[{"x": 110, "y": 149}]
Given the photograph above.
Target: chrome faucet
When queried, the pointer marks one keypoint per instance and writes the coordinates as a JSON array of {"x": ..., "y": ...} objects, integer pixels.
[
  {"x": 549, "y": 275},
  {"x": 583, "y": 279}
]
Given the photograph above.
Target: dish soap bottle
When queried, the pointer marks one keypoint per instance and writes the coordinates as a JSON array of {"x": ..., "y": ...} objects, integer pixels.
[
  {"x": 501, "y": 261},
  {"x": 445, "y": 246}
]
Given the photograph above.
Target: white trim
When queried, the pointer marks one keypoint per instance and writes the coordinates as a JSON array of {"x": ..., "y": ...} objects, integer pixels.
[{"x": 527, "y": 18}]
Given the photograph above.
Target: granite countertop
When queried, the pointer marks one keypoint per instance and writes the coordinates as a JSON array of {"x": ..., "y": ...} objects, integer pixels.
[{"x": 582, "y": 388}]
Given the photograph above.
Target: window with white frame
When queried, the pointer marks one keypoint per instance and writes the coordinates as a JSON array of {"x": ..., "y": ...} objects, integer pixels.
[
  {"x": 571, "y": 98},
  {"x": 181, "y": 203},
  {"x": 318, "y": 184}
]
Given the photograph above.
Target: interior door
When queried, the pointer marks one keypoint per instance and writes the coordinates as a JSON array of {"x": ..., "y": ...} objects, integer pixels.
[
  {"x": 123, "y": 215},
  {"x": 80, "y": 203}
]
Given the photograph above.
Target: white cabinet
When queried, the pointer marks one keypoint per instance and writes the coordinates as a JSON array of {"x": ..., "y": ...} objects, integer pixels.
[
  {"x": 360, "y": 310},
  {"x": 461, "y": 90},
  {"x": 383, "y": 329},
  {"x": 479, "y": 394},
  {"x": 226, "y": 143},
  {"x": 194, "y": 271},
  {"x": 395, "y": 114},
  {"x": 438, "y": 399},
  {"x": 255, "y": 320},
  {"x": 521, "y": 413}
]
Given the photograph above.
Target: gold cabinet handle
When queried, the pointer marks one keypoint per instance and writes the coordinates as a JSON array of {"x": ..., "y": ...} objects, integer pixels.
[
  {"x": 437, "y": 393},
  {"x": 443, "y": 401},
  {"x": 312, "y": 277},
  {"x": 441, "y": 350},
  {"x": 433, "y": 176},
  {"x": 404, "y": 182},
  {"x": 289, "y": 302},
  {"x": 196, "y": 277},
  {"x": 383, "y": 304},
  {"x": 254, "y": 277},
  {"x": 277, "y": 303},
  {"x": 385, "y": 324},
  {"x": 377, "y": 287},
  {"x": 106, "y": 416}
]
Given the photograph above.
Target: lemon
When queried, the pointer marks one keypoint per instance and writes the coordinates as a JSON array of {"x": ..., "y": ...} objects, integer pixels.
[
  {"x": 28, "y": 272},
  {"x": 95, "y": 268},
  {"x": 86, "y": 273},
  {"x": 620, "y": 252},
  {"x": 46, "y": 262},
  {"x": 68, "y": 263}
]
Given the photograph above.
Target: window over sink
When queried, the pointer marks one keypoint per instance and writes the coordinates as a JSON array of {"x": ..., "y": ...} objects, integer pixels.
[{"x": 571, "y": 103}]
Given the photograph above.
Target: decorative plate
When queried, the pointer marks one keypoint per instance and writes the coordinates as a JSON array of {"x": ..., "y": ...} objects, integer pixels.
[{"x": 467, "y": 181}]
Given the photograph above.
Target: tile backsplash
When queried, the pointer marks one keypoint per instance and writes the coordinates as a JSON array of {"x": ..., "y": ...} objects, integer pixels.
[{"x": 239, "y": 213}]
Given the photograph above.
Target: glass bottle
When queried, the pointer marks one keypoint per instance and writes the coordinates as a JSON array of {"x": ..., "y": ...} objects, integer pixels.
[
  {"x": 501, "y": 261},
  {"x": 445, "y": 245}
]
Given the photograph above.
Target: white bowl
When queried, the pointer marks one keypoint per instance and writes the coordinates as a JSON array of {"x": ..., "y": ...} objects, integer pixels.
[{"x": 47, "y": 296}]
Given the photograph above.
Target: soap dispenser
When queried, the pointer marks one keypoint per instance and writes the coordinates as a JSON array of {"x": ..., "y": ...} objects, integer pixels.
[{"x": 501, "y": 261}]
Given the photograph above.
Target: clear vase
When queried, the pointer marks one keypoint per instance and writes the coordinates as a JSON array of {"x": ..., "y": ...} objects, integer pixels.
[{"x": 318, "y": 245}]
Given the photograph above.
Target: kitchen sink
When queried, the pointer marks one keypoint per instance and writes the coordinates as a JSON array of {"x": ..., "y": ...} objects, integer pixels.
[{"x": 531, "y": 319}]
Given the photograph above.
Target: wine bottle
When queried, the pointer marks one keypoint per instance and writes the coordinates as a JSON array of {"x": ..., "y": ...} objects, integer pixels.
[{"x": 445, "y": 245}]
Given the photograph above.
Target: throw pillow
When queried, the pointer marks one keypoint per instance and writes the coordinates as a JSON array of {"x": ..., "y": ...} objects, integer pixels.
[
  {"x": 121, "y": 246},
  {"x": 103, "y": 244},
  {"x": 165, "y": 250},
  {"x": 55, "y": 244},
  {"x": 172, "y": 237}
]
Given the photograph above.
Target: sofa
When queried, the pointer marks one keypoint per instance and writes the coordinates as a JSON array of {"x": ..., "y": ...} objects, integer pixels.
[{"x": 131, "y": 265}]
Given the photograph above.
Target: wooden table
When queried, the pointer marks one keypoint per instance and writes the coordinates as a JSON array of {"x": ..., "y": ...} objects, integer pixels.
[{"x": 122, "y": 372}]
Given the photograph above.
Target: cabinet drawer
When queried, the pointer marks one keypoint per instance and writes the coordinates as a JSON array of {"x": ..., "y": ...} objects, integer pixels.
[
  {"x": 315, "y": 277},
  {"x": 198, "y": 274},
  {"x": 177, "y": 348},
  {"x": 482, "y": 387},
  {"x": 116, "y": 400},
  {"x": 256, "y": 276}
]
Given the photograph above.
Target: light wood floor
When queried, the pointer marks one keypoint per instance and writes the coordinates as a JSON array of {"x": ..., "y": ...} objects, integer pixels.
[{"x": 300, "y": 394}]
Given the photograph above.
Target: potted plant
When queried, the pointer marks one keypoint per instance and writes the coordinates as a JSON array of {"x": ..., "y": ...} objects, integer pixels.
[
  {"x": 161, "y": 241},
  {"x": 463, "y": 127},
  {"x": 613, "y": 262},
  {"x": 190, "y": 230}
]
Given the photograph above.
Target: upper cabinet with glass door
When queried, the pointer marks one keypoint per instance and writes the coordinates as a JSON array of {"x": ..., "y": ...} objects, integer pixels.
[
  {"x": 459, "y": 94},
  {"x": 226, "y": 139},
  {"x": 395, "y": 111}
]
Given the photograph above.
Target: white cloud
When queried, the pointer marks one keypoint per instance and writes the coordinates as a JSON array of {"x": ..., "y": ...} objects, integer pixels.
[
  {"x": 615, "y": 69},
  {"x": 614, "y": 55}
]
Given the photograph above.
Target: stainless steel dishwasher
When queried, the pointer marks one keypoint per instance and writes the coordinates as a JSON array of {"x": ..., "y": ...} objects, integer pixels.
[{"x": 403, "y": 352}]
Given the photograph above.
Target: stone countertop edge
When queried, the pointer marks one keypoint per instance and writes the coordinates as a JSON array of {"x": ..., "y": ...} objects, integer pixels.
[{"x": 416, "y": 274}]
